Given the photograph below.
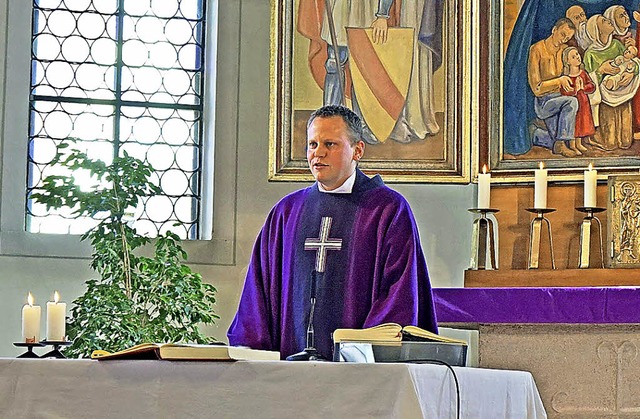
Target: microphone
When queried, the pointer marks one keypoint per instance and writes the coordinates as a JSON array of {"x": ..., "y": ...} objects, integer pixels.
[
  {"x": 310, "y": 353},
  {"x": 312, "y": 309}
]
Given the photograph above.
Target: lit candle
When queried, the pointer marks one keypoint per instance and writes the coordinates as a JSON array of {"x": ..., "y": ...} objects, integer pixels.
[
  {"x": 484, "y": 188},
  {"x": 30, "y": 321},
  {"x": 540, "y": 197},
  {"x": 56, "y": 312},
  {"x": 590, "y": 182}
]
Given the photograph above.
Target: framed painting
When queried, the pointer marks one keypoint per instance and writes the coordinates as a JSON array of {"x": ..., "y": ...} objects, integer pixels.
[
  {"x": 623, "y": 228},
  {"x": 404, "y": 66},
  {"x": 563, "y": 88}
]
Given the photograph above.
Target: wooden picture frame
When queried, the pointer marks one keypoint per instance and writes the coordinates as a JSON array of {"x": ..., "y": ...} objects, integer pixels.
[
  {"x": 508, "y": 120},
  {"x": 298, "y": 58}
]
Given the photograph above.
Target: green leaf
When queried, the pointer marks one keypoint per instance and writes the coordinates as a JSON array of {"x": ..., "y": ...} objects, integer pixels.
[{"x": 135, "y": 298}]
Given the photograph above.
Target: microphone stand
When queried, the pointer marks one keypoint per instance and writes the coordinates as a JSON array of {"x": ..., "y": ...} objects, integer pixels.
[{"x": 310, "y": 353}]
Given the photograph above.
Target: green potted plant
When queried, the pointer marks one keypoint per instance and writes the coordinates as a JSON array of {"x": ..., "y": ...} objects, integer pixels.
[{"x": 134, "y": 298}]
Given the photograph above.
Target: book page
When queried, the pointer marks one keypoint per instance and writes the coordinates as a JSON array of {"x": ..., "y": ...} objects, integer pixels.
[
  {"x": 387, "y": 332},
  {"x": 184, "y": 351},
  {"x": 422, "y": 334},
  {"x": 215, "y": 352}
]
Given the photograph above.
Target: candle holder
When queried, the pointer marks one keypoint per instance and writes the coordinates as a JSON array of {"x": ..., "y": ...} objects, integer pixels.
[
  {"x": 535, "y": 231},
  {"x": 484, "y": 233},
  {"x": 585, "y": 235},
  {"x": 29, "y": 346},
  {"x": 55, "y": 352}
]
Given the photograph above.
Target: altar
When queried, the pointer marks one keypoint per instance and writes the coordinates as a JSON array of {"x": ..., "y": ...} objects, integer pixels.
[
  {"x": 580, "y": 344},
  {"x": 269, "y": 389}
]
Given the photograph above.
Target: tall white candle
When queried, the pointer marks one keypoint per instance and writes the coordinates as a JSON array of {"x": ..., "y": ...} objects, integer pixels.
[
  {"x": 540, "y": 197},
  {"x": 30, "y": 321},
  {"x": 484, "y": 188},
  {"x": 590, "y": 184},
  {"x": 56, "y": 326}
]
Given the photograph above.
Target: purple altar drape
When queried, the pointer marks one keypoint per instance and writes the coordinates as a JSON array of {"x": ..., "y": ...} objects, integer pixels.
[{"x": 538, "y": 305}]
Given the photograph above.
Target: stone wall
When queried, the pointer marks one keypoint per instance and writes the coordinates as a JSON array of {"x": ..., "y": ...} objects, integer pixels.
[{"x": 582, "y": 371}]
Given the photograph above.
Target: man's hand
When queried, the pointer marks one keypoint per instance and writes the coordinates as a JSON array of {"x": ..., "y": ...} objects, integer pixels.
[
  {"x": 380, "y": 30},
  {"x": 607, "y": 67},
  {"x": 565, "y": 83},
  {"x": 629, "y": 42}
]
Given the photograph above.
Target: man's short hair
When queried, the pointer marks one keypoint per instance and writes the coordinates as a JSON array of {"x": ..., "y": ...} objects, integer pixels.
[
  {"x": 574, "y": 7},
  {"x": 350, "y": 118},
  {"x": 564, "y": 21}
]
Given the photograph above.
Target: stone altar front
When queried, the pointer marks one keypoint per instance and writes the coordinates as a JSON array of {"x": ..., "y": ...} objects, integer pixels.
[{"x": 580, "y": 344}]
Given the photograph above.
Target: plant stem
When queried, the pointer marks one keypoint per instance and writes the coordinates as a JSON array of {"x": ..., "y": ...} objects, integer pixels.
[{"x": 126, "y": 262}]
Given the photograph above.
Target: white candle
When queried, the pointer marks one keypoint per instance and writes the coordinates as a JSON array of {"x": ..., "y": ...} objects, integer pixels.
[
  {"x": 590, "y": 183},
  {"x": 484, "y": 188},
  {"x": 30, "y": 321},
  {"x": 540, "y": 200},
  {"x": 56, "y": 325}
]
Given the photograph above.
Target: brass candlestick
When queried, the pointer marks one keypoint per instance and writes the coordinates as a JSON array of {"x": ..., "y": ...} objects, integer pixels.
[
  {"x": 534, "y": 236},
  {"x": 484, "y": 229},
  {"x": 585, "y": 235}
]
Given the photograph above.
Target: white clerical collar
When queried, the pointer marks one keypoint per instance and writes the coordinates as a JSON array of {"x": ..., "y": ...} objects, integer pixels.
[{"x": 346, "y": 187}]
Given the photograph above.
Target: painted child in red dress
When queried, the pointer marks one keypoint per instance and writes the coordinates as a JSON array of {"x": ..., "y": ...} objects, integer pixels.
[{"x": 581, "y": 86}]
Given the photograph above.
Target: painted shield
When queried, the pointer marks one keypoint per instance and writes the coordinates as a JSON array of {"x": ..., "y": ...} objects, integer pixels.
[{"x": 381, "y": 75}]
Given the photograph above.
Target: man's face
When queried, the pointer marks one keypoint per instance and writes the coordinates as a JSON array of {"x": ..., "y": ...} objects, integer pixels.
[
  {"x": 621, "y": 18},
  {"x": 332, "y": 158},
  {"x": 576, "y": 15},
  {"x": 562, "y": 34}
]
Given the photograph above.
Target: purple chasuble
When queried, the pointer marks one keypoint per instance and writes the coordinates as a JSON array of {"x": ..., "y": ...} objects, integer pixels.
[{"x": 379, "y": 274}]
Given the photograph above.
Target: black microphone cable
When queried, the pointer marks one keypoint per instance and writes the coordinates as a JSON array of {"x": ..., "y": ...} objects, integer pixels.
[{"x": 453, "y": 373}]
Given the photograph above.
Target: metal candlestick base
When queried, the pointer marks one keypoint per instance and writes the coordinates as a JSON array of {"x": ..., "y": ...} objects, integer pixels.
[
  {"x": 585, "y": 235},
  {"x": 534, "y": 236},
  {"x": 309, "y": 354},
  {"x": 484, "y": 229},
  {"x": 29, "y": 346},
  {"x": 55, "y": 352}
]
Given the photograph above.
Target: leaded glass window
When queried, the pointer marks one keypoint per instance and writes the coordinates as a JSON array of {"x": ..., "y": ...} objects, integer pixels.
[{"x": 120, "y": 75}]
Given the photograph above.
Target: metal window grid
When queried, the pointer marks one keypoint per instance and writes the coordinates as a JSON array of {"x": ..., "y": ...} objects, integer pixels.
[{"x": 120, "y": 75}]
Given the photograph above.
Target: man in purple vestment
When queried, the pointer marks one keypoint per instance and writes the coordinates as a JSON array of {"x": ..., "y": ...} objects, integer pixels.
[{"x": 360, "y": 234}]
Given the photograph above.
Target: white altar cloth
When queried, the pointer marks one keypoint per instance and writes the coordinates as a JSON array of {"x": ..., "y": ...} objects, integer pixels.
[{"x": 48, "y": 388}]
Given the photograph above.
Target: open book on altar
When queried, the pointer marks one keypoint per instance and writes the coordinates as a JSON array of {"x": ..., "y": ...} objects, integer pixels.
[
  {"x": 390, "y": 333},
  {"x": 390, "y": 342},
  {"x": 188, "y": 352}
]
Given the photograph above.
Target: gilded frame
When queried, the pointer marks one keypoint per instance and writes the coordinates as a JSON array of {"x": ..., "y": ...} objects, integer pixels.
[
  {"x": 447, "y": 161},
  {"x": 497, "y": 23}
]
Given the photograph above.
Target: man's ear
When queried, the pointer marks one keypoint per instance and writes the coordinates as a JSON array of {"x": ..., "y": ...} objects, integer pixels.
[{"x": 358, "y": 150}]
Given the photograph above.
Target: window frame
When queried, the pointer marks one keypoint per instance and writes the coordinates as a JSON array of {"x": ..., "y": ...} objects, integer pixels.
[{"x": 15, "y": 41}]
